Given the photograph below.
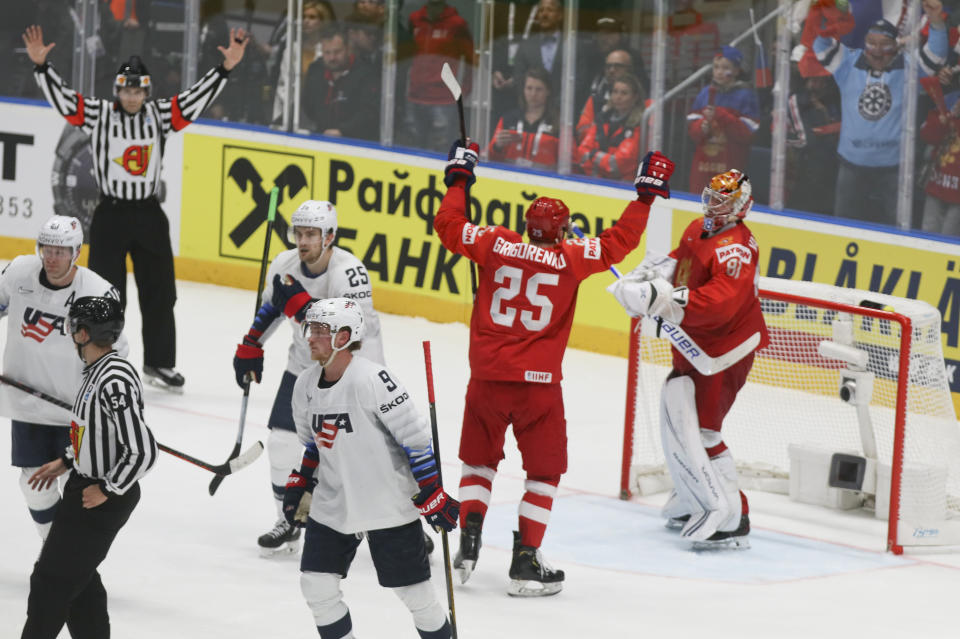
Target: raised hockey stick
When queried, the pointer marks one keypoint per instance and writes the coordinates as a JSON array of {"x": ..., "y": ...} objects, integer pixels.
[
  {"x": 428, "y": 363},
  {"x": 231, "y": 466},
  {"x": 446, "y": 74},
  {"x": 271, "y": 216},
  {"x": 678, "y": 337}
]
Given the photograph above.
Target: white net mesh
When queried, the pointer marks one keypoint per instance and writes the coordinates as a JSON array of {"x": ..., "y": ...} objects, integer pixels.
[{"x": 792, "y": 397}]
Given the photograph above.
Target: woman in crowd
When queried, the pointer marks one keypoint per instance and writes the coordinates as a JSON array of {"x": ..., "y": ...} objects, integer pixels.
[
  {"x": 528, "y": 135},
  {"x": 611, "y": 147}
]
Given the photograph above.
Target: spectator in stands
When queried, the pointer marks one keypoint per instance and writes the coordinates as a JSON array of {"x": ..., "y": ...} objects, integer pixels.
[
  {"x": 375, "y": 10},
  {"x": 365, "y": 39},
  {"x": 439, "y": 35},
  {"x": 871, "y": 82},
  {"x": 609, "y": 34},
  {"x": 723, "y": 119},
  {"x": 813, "y": 127},
  {"x": 316, "y": 14},
  {"x": 544, "y": 49},
  {"x": 528, "y": 136},
  {"x": 341, "y": 95},
  {"x": 941, "y": 130},
  {"x": 611, "y": 148},
  {"x": 617, "y": 62}
]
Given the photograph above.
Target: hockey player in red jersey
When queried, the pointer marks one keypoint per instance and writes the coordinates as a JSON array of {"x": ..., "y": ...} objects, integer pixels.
[
  {"x": 708, "y": 286},
  {"x": 522, "y": 313}
]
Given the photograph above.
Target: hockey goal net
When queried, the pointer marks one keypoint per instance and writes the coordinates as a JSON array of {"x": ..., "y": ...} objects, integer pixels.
[{"x": 805, "y": 401}]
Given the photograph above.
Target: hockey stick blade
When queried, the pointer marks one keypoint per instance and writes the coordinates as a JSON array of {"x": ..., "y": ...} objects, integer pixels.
[
  {"x": 446, "y": 74},
  {"x": 244, "y": 459}
]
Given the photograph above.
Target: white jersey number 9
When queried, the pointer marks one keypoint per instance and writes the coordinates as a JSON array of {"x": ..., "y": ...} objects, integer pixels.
[{"x": 504, "y": 314}]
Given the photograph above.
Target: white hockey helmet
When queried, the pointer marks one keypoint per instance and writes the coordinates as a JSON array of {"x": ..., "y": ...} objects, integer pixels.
[
  {"x": 727, "y": 198},
  {"x": 318, "y": 214},
  {"x": 61, "y": 230},
  {"x": 337, "y": 313}
]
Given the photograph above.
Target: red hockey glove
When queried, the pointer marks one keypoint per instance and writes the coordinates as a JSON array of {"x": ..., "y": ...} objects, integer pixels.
[
  {"x": 289, "y": 295},
  {"x": 653, "y": 175},
  {"x": 461, "y": 161},
  {"x": 248, "y": 361},
  {"x": 437, "y": 507}
]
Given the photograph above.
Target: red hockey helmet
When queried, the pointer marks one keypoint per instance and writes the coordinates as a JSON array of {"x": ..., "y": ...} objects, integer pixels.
[{"x": 548, "y": 220}]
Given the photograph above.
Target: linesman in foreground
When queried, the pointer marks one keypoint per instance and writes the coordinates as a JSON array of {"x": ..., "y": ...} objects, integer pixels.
[
  {"x": 127, "y": 139},
  {"x": 111, "y": 449}
]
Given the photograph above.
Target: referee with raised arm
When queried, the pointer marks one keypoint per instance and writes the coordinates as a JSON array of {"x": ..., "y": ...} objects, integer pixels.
[
  {"x": 111, "y": 449},
  {"x": 127, "y": 137}
]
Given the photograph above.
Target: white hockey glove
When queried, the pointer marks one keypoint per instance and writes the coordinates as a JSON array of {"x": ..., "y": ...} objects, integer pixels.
[
  {"x": 654, "y": 265},
  {"x": 655, "y": 297}
]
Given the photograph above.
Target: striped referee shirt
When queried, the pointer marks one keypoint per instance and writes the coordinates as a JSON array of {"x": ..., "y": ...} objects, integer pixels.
[
  {"x": 128, "y": 149},
  {"x": 109, "y": 439}
]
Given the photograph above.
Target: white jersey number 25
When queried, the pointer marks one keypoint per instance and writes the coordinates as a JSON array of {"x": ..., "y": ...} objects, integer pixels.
[{"x": 512, "y": 277}]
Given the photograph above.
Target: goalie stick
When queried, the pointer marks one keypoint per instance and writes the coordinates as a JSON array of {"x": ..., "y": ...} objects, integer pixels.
[
  {"x": 679, "y": 338},
  {"x": 271, "y": 216},
  {"x": 428, "y": 364},
  {"x": 226, "y": 468},
  {"x": 446, "y": 74}
]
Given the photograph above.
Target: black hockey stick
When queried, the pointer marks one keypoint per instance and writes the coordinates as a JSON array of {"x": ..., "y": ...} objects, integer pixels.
[
  {"x": 427, "y": 360},
  {"x": 446, "y": 74},
  {"x": 271, "y": 215},
  {"x": 231, "y": 466}
]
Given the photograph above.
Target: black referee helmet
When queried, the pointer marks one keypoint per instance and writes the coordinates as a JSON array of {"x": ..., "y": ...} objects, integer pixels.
[
  {"x": 101, "y": 316},
  {"x": 132, "y": 73}
]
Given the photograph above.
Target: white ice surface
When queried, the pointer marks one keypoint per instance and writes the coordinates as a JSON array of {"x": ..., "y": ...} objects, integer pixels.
[{"x": 186, "y": 564}]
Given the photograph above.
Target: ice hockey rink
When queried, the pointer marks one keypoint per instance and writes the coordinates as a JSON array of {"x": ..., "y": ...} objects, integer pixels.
[{"x": 187, "y": 565}]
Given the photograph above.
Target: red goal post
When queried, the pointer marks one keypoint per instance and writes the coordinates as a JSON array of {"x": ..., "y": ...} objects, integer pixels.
[{"x": 803, "y": 400}]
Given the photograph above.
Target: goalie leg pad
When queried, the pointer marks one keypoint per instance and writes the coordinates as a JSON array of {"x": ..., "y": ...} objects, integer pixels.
[
  {"x": 285, "y": 453},
  {"x": 694, "y": 477},
  {"x": 726, "y": 470},
  {"x": 41, "y": 503},
  {"x": 321, "y": 590},
  {"x": 421, "y": 600}
]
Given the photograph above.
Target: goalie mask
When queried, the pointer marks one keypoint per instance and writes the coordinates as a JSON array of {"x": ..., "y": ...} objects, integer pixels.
[
  {"x": 725, "y": 199},
  {"x": 132, "y": 74},
  {"x": 337, "y": 313},
  {"x": 548, "y": 220},
  {"x": 318, "y": 214},
  {"x": 61, "y": 230}
]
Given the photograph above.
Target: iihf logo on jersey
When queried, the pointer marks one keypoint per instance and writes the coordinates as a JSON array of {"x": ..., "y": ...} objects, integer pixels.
[
  {"x": 38, "y": 325},
  {"x": 326, "y": 427}
]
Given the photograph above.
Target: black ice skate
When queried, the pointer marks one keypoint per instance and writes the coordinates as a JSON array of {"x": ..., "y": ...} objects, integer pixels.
[
  {"x": 529, "y": 575},
  {"x": 282, "y": 539},
  {"x": 165, "y": 378},
  {"x": 723, "y": 539},
  {"x": 469, "y": 551}
]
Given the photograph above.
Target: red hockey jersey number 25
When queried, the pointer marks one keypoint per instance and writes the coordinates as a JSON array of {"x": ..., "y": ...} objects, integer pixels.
[{"x": 526, "y": 294}]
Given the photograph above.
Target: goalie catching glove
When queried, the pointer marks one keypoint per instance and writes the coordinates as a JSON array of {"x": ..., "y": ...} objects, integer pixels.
[
  {"x": 653, "y": 176},
  {"x": 461, "y": 161},
  {"x": 657, "y": 298},
  {"x": 289, "y": 295},
  {"x": 437, "y": 507}
]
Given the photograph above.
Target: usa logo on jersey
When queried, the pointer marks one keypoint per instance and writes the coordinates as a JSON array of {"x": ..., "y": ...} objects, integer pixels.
[
  {"x": 326, "y": 427},
  {"x": 38, "y": 325}
]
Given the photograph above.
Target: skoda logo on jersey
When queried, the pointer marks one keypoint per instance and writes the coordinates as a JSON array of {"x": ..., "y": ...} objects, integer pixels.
[
  {"x": 326, "y": 427},
  {"x": 38, "y": 325},
  {"x": 135, "y": 159},
  {"x": 875, "y": 101}
]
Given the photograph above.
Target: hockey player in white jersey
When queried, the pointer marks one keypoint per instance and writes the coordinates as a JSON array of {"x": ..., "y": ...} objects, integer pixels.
[
  {"x": 36, "y": 293},
  {"x": 367, "y": 451},
  {"x": 315, "y": 269}
]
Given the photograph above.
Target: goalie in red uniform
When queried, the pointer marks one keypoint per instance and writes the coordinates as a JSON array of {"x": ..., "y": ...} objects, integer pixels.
[
  {"x": 707, "y": 286},
  {"x": 521, "y": 320}
]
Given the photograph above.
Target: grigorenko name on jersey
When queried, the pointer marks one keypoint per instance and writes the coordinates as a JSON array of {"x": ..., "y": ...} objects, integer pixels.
[{"x": 530, "y": 252}]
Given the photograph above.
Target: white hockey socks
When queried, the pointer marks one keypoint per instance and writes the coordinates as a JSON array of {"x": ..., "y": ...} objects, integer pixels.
[
  {"x": 322, "y": 592},
  {"x": 428, "y": 615},
  {"x": 285, "y": 453},
  {"x": 41, "y": 503}
]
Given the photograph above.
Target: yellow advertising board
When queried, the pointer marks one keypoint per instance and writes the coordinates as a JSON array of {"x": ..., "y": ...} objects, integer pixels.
[{"x": 385, "y": 216}]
